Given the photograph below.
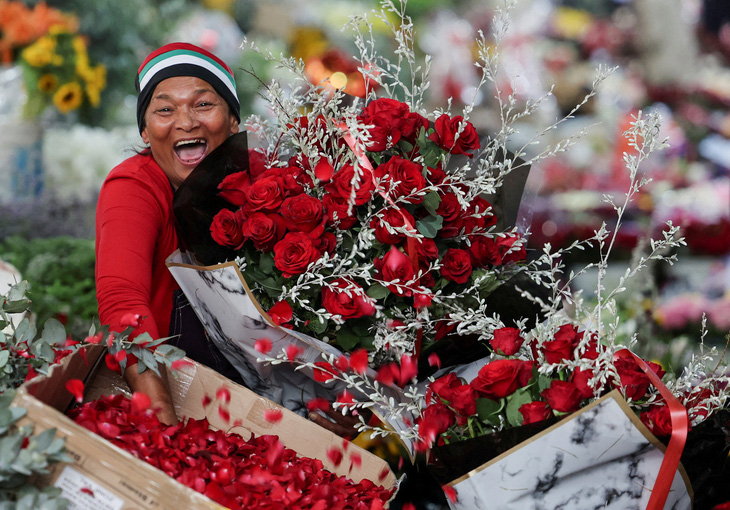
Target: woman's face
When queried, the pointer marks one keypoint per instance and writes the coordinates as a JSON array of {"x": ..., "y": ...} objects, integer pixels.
[{"x": 185, "y": 120}]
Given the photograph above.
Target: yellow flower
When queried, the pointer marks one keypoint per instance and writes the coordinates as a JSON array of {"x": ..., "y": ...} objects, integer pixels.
[
  {"x": 47, "y": 83},
  {"x": 68, "y": 97},
  {"x": 41, "y": 52}
]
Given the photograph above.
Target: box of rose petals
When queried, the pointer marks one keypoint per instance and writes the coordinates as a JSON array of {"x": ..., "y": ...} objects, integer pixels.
[{"x": 121, "y": 457}]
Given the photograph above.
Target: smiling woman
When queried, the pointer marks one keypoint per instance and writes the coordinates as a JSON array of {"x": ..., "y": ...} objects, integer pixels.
[{"x": 186, "y": 107}]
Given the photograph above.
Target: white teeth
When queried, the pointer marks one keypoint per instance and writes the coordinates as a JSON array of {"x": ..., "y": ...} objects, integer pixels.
[{"x": 185, "y": 142}]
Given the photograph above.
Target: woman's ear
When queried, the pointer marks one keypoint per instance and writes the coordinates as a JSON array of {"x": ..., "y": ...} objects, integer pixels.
[
  {"x": 145, "y": 137},
  {"x": 234, "y": 124}
]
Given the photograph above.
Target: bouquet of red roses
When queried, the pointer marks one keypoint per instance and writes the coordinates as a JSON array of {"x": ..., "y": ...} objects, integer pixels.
[{"x": 366, "y": 248}]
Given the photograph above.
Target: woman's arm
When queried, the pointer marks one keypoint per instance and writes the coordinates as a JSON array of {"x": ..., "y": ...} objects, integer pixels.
[{"x": 128, "y": 225}]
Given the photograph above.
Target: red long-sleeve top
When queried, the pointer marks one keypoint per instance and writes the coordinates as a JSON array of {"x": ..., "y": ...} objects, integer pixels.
[{"x": 135, "y": 233}]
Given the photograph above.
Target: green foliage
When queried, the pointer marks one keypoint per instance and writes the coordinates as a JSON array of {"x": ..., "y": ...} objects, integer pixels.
[
  {"x": 60, "y": 273},
  {"x": 23, "y": 455}
]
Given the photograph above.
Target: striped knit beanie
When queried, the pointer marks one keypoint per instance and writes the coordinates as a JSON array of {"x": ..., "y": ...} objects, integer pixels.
[{"x": 183, "y": 59}]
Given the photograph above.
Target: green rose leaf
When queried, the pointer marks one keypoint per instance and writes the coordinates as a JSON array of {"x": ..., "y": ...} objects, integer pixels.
[
  {"x": 514, "y": 402},
  {"x": 488, "y": 410},
  {"x": 377, "y": 291}
]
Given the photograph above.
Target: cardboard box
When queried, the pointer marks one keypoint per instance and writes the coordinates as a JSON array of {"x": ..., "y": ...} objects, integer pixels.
[{"x": 119, "y": 481}]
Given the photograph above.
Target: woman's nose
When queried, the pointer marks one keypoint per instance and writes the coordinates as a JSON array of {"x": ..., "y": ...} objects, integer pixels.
[{"x": 186, "y": 119}]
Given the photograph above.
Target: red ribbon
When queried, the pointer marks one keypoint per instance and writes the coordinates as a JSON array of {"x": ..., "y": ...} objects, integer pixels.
[
  {"x": 680, "y": 427},
  {"x": 411, "y": 247}
]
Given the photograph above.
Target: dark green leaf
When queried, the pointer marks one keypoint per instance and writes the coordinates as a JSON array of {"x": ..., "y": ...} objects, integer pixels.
[{"x": 318, "y": 327}]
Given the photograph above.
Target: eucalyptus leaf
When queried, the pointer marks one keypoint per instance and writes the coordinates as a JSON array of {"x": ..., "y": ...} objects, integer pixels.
[
  {"x": 4, "y": 357},
  {"x": 431, "y": 202},
  {"x": 53, "y": 332},
  {"x": 430, "y": 225},
  {"x": 377, "y": 291},
  {"x": 318, "y": 327}
]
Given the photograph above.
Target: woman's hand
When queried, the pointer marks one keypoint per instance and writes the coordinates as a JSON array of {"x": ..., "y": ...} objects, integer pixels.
[
  {"x": 155, "y": 387},
  {"x": 337, "y": 423}
]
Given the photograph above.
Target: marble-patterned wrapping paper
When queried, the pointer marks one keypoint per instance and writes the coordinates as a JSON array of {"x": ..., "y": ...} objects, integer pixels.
[
  {"x": 234, "y": 321},
  {"x": 601, "y": 457}
]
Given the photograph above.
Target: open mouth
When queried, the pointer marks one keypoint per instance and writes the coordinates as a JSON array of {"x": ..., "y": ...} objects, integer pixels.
[{"x": 191, "y": 152}]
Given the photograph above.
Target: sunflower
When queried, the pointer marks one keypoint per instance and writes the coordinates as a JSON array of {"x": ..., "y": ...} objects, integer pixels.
[
  {"x": 68, "y": 97},
  {"x": 41, "y": 53},
  {"x": 47, "y": 83}
]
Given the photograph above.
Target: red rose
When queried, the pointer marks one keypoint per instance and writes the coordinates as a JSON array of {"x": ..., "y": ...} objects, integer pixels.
[
  {"x": 342, "y": 184},
  {"x": 286, "y": 178},
  {"x": 506, "y": 341},
  {"x": 658, "y": 420},
  {"x": 580, "y": 379},
  {"x": 479, "y": 215},
  {"x": 233, "y": 188},
  {"x": 436, "y": 175},
  {"x": 396, "y": 218},
  {"x": 395, "y": 266},
  {"x": 434, "y": 420},
  {"x": 449, "y": 208},
  {"x": 264, "y": 230},
  {"x": 562, "y": 396},
  {"x": 408, "y": 176},
  {"x": 347, "y": 299},
  {"x": 484, "y": 252},
  {"x": 427, "y": 249},
  {"x": 327, "y": 242},
  {"x": 526, "y": 372},
  {"x": 445, "y": 135},
  {"x": 456, "y": 265},
  {"x": 226, "y": 229},
  {"x": 498, "y": 378},
  {"x": 387, "y": 118},
  {"x": 561, "y": 347},
  {"x": 294, "y": 253},
  {"x": 256, "y": 163},
  {"x": 460, "y": 396},
  {"x": 264, "y": 195},
  {"x": 535, "y": 412},
  {"x": 412, "y": 124},
  {"x": 634, "y": 381},
  {"x": 338, "y": 212},
  {"x": 510, "y": 250},
  {"x": 302, "y": 212}
]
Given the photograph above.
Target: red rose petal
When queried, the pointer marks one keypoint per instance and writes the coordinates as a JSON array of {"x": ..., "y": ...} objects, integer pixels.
[
  {"x": 273, "y": 415},
  {"x": 112, "y": 363},
  {"x": 224, "y": 414},
  {"x": 130, "y": 319},
  {"x": 140, "y": 402},
  {"x": 263, "y": 345},
  {"x": 359, "y": 361},
  {"x": 342, "y": 363},
  {"x": 206, "y": 401},
  {"x": 409, "y": 506},
  {"x": 180, "y": 364},
  {"x": 356, "y": 459},
  {"x": 292, "y": 351},
  {"x": 86, "y": 490},
  {"x": 318, "y": 404},
  {"x": 223, "y": 394},
  {"x": 335, "y": 455},
  {"x": 76, "y": 388},
  {"x": 434, "y": 360},
  {"x": 384, "y": 473},
  {"x": 450, "y": 493}
]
